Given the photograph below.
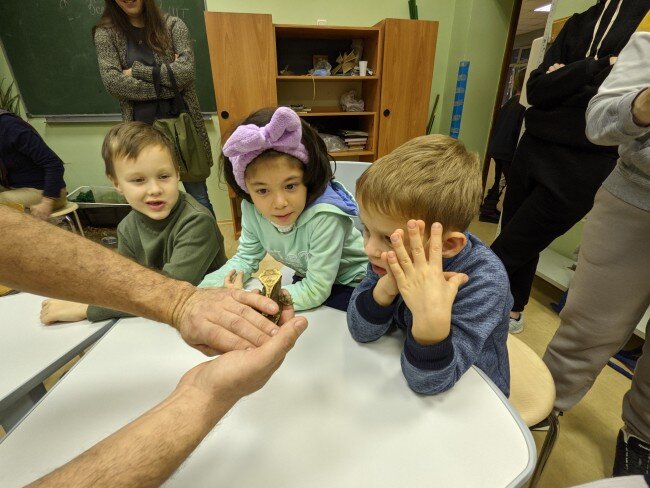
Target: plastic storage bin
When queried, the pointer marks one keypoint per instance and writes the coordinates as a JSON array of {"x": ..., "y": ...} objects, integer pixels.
[{"x": 107, "y": 211}]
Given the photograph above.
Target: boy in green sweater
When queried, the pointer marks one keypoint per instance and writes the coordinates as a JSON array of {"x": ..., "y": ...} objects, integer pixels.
[{"x": 166, "y": 230}]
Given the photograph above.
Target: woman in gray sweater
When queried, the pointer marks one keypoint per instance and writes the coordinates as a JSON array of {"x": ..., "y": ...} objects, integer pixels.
[
  {"x": 611, "y": 288},
  {"x": 134, "y": 42}
]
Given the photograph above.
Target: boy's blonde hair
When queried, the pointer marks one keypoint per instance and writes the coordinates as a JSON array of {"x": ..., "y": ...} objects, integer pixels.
[
  {"x": 128, "y": 140},
  {"x": 432, "y": 178}
]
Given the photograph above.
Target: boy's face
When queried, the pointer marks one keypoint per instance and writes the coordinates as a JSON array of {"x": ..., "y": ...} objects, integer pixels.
[
  {"x": 276, "y": 188},
  {"x": 149, "y": 183},
  {"x": 377, "y": 229}
]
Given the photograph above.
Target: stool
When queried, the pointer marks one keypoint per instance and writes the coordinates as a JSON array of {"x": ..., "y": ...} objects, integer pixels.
[
  {"x": 532, "y": 393},
  {"x": 70, "y": 208}
]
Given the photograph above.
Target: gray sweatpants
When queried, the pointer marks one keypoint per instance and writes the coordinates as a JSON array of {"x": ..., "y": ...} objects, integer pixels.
[{"x": 607, "y": 298}]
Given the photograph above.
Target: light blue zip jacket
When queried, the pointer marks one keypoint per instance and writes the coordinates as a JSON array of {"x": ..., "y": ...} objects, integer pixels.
[{"x": 324, "y": 247}]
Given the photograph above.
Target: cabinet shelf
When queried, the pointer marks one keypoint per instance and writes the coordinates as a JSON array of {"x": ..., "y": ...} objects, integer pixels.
[
  {"x": 325, "y": 78},
  {"x": 292, "y": 31},
  {"x": 331, "y": 112},
  {"x": 345, "y": 154}
]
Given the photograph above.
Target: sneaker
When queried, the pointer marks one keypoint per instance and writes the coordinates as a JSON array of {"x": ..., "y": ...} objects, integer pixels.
[
  {"x": 632, "y": 455},
  {"x": 517, "y": 325}
]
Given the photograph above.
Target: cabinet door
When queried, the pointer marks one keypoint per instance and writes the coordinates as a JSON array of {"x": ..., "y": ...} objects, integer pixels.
[
  {"x": 243, "y": 62},
  {"x": 407, "y": 69}
]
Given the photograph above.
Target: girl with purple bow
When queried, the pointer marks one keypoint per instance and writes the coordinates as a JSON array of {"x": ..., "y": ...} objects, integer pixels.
[{"x": 293, "y": 209}]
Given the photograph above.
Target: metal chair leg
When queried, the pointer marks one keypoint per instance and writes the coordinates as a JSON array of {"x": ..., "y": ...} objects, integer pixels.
[
  {"x": 81, "y": 229},
  {"x": 547, "y": 447},
  {"x": 70, "y": 223}
]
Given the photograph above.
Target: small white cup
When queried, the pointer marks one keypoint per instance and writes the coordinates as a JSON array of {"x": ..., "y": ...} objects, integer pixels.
[{"x": 363, "y": 66}]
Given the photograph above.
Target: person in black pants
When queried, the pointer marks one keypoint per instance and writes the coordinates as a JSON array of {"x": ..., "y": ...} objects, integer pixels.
[
  {"x": 556, "y": 171},
  {"x": 501, "y": 148}
]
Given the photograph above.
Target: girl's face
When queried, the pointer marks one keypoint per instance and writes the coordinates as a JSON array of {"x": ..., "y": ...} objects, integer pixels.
[
  {"x": 132, "y": 8},
  {"x": 275, "y": 185}
]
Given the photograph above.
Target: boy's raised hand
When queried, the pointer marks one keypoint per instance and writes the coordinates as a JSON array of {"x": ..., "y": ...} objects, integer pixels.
[
  {"x": 428, "y": 291},
  {"x": 386, "y": 289}
]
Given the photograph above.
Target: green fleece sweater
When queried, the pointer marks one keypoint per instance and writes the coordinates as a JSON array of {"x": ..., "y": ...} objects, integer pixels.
[
  {"x": 324, "y": 247},
  {"x": 185, "y": 246}
]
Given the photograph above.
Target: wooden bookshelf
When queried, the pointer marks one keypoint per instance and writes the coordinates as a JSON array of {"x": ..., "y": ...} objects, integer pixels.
[{"x": 248, "y": 51}]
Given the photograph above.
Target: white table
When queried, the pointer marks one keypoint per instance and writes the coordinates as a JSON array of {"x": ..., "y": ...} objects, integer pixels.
[
  {"x": 30, "y": 352},
  {"x": 336, "y": 414}
]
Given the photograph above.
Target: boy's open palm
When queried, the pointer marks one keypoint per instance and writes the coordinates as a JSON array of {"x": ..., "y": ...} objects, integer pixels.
[{"x": 428, "y": 291}]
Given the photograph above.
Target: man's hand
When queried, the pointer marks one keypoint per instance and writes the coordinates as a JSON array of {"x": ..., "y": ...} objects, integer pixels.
[
  {"x": 43, "y": 209},
  {"x": 62, "y": 311},
  {"x": 128, "y": 72},
  {"x": 217, "y": 320},
  {"x": 641, "y": 108},
  {"x": 554, "y": 67},
  {"x": 235, "y": 374},
  {"x": 427, "y": 290},
  {"x": 234, "y": 279}
]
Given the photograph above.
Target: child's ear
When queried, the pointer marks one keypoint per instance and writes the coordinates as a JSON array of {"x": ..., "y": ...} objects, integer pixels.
[
  {"x": 115, "y": 184},
  {"x": 453, "y": 243}
]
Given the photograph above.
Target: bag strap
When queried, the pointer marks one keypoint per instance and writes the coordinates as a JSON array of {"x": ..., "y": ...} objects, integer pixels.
[
  {"x": 177, "y": 104},
  {"x": 157, "y": 86}
]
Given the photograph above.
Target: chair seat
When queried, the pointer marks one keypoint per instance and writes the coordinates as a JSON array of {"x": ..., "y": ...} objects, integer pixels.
[
  {"x": 69, "y": 208},
  {"x": 532, "y": 390}
]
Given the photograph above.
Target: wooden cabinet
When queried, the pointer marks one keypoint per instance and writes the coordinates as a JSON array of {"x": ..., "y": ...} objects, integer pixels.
[
  {"x": 409, "y": 50},
  {"x": 248, "y": 52}
]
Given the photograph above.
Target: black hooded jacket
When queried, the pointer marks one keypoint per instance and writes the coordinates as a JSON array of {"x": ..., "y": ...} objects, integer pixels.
[{"x": 559, "y": 100}]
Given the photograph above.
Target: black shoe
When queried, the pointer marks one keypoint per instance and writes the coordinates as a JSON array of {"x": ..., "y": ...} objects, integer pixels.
[{"x": 632, "y": 455}]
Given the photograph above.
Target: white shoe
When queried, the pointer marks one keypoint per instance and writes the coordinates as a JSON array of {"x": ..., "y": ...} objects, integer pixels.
[{"x": 516, "y": 325}]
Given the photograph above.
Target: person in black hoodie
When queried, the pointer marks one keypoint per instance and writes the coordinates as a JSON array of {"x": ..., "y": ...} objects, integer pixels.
[
  {"x": 556, "y": 171},
  {"x": 501, "y": 148}
]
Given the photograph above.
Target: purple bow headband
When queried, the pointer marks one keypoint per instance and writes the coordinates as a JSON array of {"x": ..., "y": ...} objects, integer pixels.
[{"x": 283, "y": 133}]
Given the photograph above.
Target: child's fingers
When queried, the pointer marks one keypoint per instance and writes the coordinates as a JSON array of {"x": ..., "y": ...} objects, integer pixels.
[
  {"x": 421, "y": 227},
  {"x": 384, "y": 261},
  {"x": 239, "y": 280},
  {"x": 234, "y": 279},
  {"x": 415, "y": 241},
  {"x": 288, "y": 311},
  {"x": 435, "y": 247},
  {"x": 397, "y": 242},
  {"x": 456, "y": 280},
  {"x": 396, "y": 269}
]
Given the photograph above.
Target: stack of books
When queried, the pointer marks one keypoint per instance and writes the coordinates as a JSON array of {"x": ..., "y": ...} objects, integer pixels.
[
  {"x": 356, "y": 140},
  {"x": 299, "y": 108}
]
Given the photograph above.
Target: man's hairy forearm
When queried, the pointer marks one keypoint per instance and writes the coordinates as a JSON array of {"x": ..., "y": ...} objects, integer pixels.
[
  {"x": 143, "y": 453},
  {"x": 66, "y": 266}
]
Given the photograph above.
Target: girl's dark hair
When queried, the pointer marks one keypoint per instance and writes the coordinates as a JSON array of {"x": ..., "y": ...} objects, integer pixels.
[
  {"x": 317, "y": 172},
  {"x": 155, "y": 31}
]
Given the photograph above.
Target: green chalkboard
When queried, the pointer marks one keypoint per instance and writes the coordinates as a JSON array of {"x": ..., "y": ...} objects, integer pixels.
[{"x": 51, "y": 53}]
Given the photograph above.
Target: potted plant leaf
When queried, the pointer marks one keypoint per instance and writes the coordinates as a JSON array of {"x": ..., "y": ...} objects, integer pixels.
[{"x": 8, "y": 100}]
